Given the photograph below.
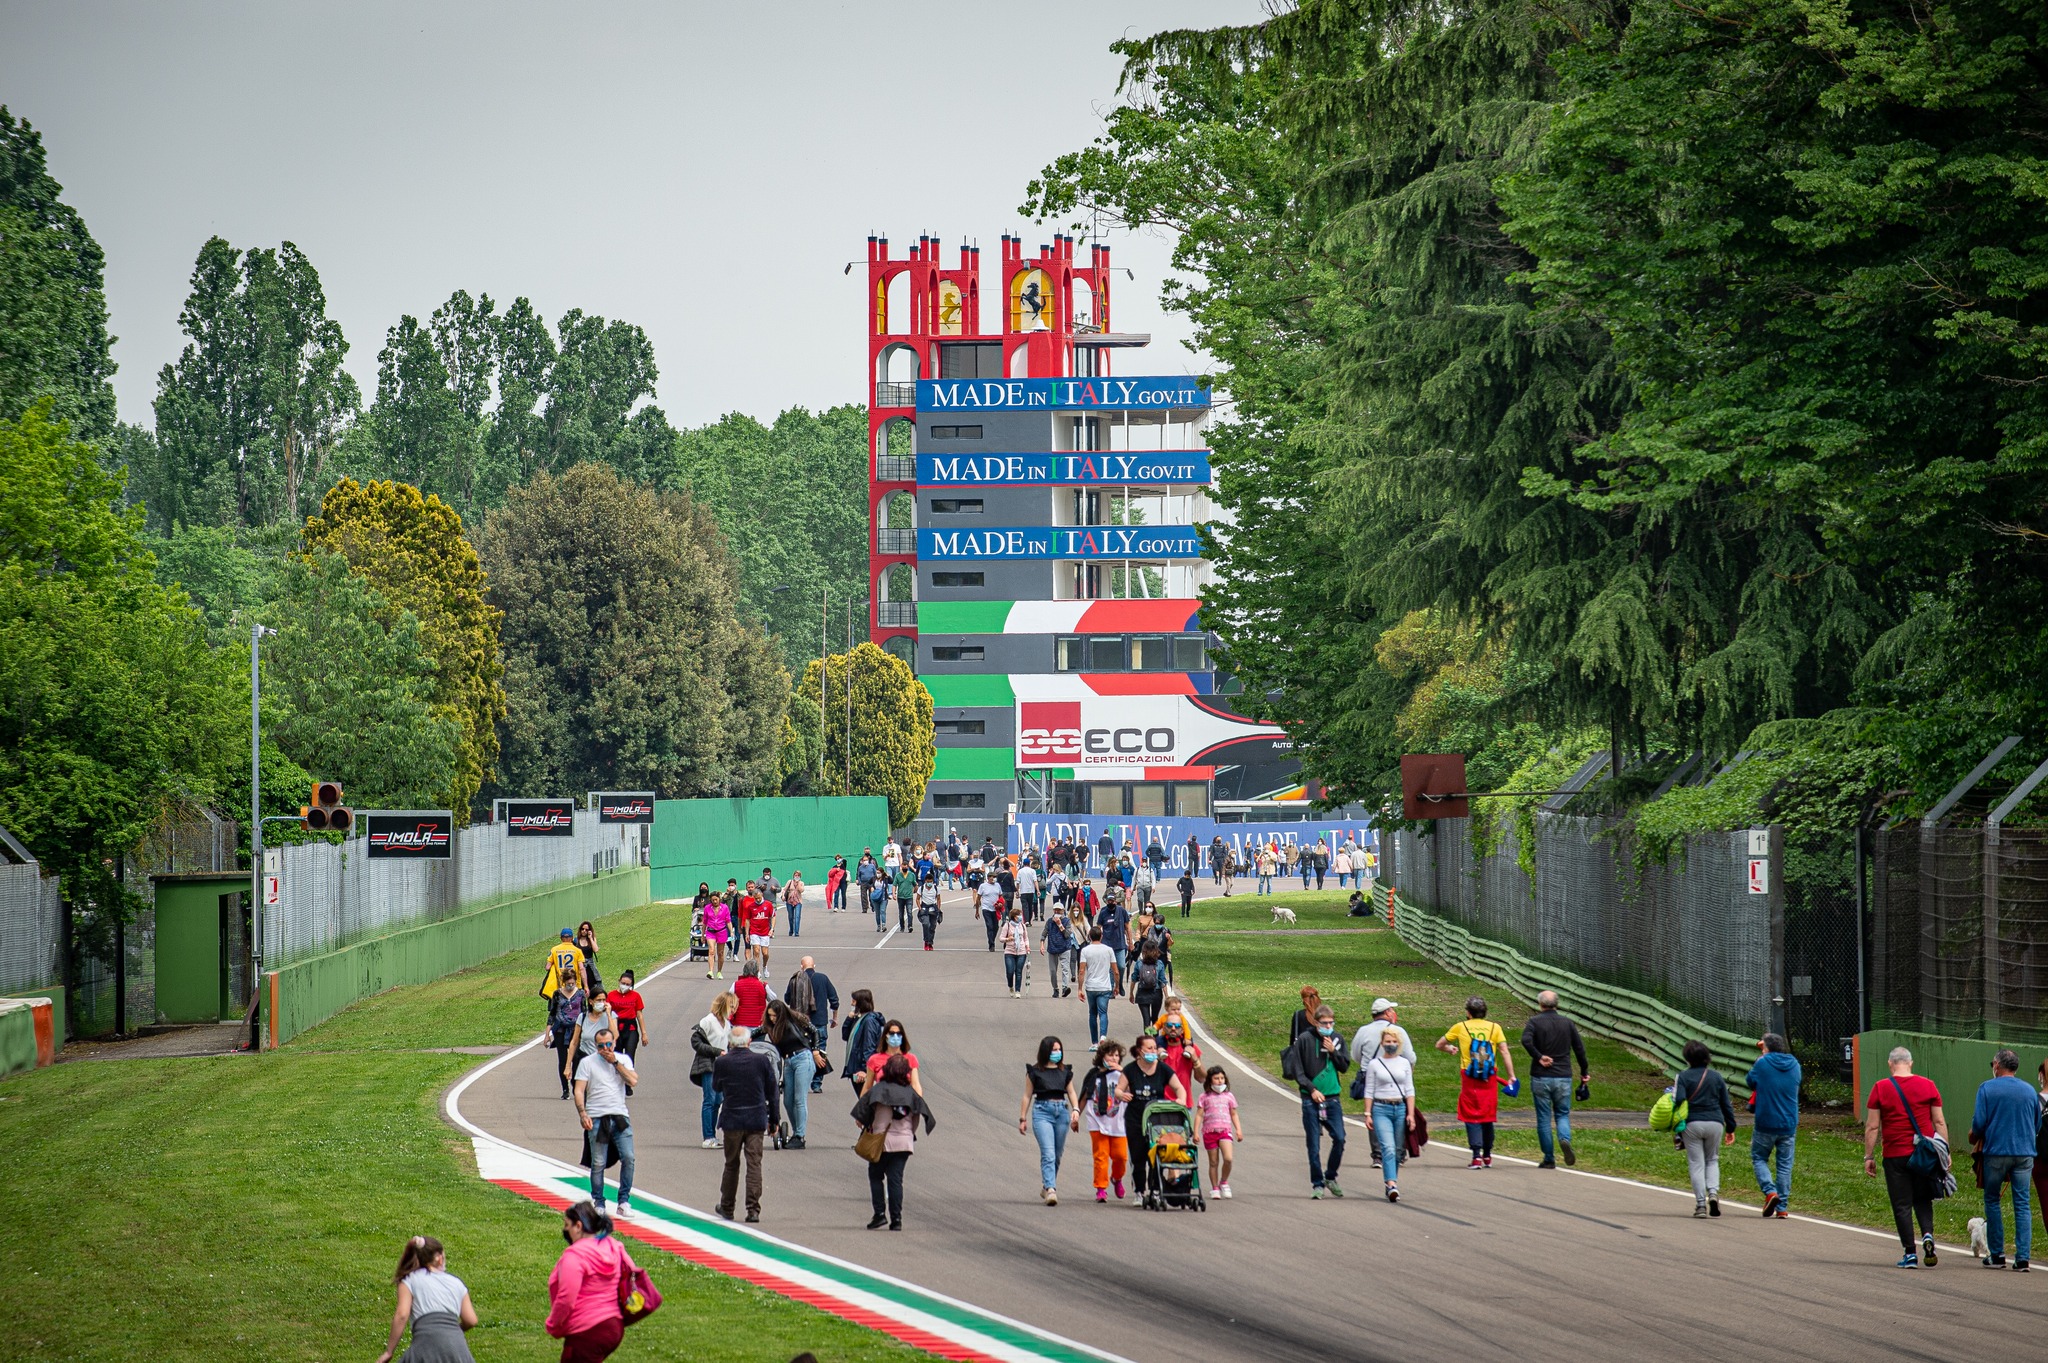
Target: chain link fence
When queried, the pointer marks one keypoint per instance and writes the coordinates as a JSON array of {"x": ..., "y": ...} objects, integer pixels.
[
  {"x": 335, "y": 895},
  {"x": 1688, "y": 932},
  {"x": 31, "y": 928}
]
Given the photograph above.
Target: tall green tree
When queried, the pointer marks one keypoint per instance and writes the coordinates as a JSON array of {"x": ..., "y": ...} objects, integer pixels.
[
  {"x": 627, "y": 663},
  {"x": 889, "y": 748},
  {"x": 421, "y": 433},
  {"x": 53, "y": 303},
  {"x": 248, "y": 414},
  {"x": 112, "y": 707},
  {"x": 349, "y": 688},
  {"x": 409, "y": 548}
]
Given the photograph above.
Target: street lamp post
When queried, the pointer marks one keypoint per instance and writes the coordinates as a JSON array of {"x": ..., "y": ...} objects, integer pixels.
[{"x": 256, "y": 633}]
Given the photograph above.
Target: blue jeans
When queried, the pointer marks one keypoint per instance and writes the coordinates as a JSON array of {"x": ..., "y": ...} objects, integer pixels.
[
  {"x": 2017, "y": 1170},
  {"x": 1306, "y": 871},
  {"x": 1553, "y": 1104},
  {"x": 796, "y": 919},
  {"x": 713, "y": 1100},
  {"x": 1320, "y": 1114},
  {"x": 1767, "y": 1150},
  {"x": 1390, "y": 1133},
  {"x": 1265, "y": 885},
  {"x": 1050, "y": 1118},
  {"x": 600, "y": 1155},
  {"x": 796, "y": 1090},
  {"x": 839, "y": 897},
  {"x": 1098, "y": 1015}
]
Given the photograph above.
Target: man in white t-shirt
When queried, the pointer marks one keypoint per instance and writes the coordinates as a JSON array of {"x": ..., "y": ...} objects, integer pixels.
[
  {"x": 1100, "y": 978},
  {"x": 1027, "y": 891},
  {"x": 602, "y": 1081},
  {"x": 892, "y": 857},
  {"x": 990, "y": 897}
]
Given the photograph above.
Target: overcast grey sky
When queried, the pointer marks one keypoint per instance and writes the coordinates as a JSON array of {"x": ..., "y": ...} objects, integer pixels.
[{"x": 705, "y": 171}]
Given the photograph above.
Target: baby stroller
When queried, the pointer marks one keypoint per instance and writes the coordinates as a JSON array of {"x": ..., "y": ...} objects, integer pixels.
[
  {"x": 1174, "y": 1158},
  {"x": 700, "y": 945}
]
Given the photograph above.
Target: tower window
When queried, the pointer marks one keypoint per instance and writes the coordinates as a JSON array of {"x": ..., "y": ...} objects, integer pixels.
[
  {"x": 956, "y": 579},
  {"x": 960, "y": 726},
  {"x": 956, "y": 432},
  {"x": 965, "y": 801},
  {"x": 956, "y": 653},
  {"x": 956, "y": 506}
]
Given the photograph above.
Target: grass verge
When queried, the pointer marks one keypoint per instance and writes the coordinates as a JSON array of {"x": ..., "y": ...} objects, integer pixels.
[
  {"x": 252, "y": 1207},
  {"x": 1245, "y": 986}
]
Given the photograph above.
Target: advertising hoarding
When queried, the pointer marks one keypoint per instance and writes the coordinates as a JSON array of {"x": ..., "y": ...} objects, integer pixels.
[
  {"x": 1061, "y": 541},
  {"x": 1063, "y": 470},
  {"x": 1126, "y": 737},
  {"x": 539, "y": 818},
  {"x": 409, "y": 834},
  {"x": 624, "y": 806},
  {"x": 1068, "y": 395}
]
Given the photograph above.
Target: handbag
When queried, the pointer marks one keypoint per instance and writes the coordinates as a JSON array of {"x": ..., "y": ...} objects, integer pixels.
[
  {"x": 1926, "y": 1161},
  {"x": 869, "y": 1146},
  {"x": 638, "y": 1298}
]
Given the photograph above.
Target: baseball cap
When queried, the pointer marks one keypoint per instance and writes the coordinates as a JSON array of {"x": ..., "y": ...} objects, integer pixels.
[
  {"x": 1382, "y": 1005},
  {"x": 567, "y": 933}
]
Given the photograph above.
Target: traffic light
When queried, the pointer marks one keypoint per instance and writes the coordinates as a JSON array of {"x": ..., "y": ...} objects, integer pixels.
[{"x": 327, "y": 814}]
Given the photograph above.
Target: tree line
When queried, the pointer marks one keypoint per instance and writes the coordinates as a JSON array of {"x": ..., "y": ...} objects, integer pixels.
[
  {"x": 1659, "y": 378},
  {"x": 506, "y": 574}
]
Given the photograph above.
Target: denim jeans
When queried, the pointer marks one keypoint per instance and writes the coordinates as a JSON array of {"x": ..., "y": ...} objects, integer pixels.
[
  {"x": 1320, "y": 1114},
  {"x": 2017, "y": 1170},
  {"x": 1050, "y": 1118},
  {"x": 796, "y": 1090},
  {"x": 1265, "y": 885},
  {"x": 600, "y": 1155},
  {"x": 1098, "y": 1015},
  {"x": 1553, "y": 1105},
  {"x": 713, "y": 1100},
  {"x": 1771, "y": 1154},
  {"x": 796, "y": 919},
  {"x": 1390, "y": 1134},
  {"x": 1013, "y": 970},
  {"x": 838, "y": 904}
]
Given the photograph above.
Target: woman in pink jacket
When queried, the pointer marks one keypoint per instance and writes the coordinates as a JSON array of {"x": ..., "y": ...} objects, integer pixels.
[{"x": 583, "y": 1291}]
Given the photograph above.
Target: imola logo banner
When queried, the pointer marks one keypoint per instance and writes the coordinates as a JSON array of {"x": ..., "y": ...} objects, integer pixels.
[{"x": 409, "y": 834}]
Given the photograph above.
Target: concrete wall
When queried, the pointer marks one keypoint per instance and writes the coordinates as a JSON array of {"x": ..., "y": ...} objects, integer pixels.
[
  {"x": 312, "y": 990},
  {"x": 1957, "y": 1065},
  {"x": 716, "y": 840}
]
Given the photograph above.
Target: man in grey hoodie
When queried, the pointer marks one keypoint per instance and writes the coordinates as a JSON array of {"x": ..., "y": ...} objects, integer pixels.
[{"x": 1774, "y": 1081}]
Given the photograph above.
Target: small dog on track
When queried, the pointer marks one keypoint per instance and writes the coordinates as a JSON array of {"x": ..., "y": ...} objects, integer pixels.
[
  {"x": 1282, "y": 914},
  {"x": 1980, "y": 1239}
]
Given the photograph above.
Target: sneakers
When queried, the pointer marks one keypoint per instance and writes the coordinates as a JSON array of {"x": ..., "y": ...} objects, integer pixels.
[
  {"x": 1335, "y": 1191},
  {"x": 725, "y": 1212},
  {"x": 1548, "y": 1164},
  {"x": 1565, "y": 1148},
  {"x": 1909, "y": 1261},
  {"x": 1486, "y": 1161},
  {"x": 1713, "y": 1204},
  {"x": 624, "y": 1208},
  {"x": 1476, "y": 1163},
  {"x": 1118, "y": 1184},
  {"x": 1994, "y": 1261},
  {"x": 1316, "y": 1192},
  {"x": 1927, "y": 1254},
  {"x": 2021, "y": 1266},
  {"x": 1771, "y": 1201},
  {"x": 1223, "y": 1190},
  {"x": 1052, "y": 1197},
  {"x": 794, "y": 1143},
  {"x": 877, "y": 1221},
  {"x": 1393, "y": 1192},
  {"x": 1784, "y": 1212},
  {"x": 751, "y": 1217},
  {"x": 1102, "y": 1196},
  {"x": 711, "y": 1144},
  {"x": 1376, "y": 1162},
  {"x": 1699, "y": 1211}
]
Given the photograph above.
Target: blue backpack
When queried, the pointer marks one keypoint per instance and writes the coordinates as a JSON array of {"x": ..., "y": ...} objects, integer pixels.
[{"x": 1481, "y": 1065}]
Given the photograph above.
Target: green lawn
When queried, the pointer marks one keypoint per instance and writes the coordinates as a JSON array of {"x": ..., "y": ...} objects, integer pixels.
[
  {"x": 1316, "y": 908},
  {"x": 1245, "y": 985},
  {"x": 252, "y": 1207}
]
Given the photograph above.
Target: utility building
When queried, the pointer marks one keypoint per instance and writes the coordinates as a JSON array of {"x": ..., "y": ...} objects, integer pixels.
[{"x": 1035, "y": 551}]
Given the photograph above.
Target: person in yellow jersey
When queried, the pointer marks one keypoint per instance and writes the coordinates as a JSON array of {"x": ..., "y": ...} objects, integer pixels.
[
  {"x": 1483, "y": 1058},
  {"x": 563, "y": 989}
]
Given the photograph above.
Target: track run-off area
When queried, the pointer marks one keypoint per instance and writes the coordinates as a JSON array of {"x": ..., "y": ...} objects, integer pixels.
[{"x": 1510, "y": 1261}]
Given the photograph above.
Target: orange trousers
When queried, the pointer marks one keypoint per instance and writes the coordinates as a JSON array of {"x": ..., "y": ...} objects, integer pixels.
[{"x": 1112, "y": 1156}]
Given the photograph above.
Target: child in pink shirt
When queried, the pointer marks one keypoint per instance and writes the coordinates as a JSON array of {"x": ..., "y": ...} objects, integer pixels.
[{"x": 1220, "y": 1129}]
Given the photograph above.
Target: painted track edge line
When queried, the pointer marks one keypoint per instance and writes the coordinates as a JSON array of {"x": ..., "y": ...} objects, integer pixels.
[{"x": 452, "y": 1108}]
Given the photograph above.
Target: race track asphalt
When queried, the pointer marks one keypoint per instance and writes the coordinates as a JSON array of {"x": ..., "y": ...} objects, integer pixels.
[{"x": 1510, "y": 1262}]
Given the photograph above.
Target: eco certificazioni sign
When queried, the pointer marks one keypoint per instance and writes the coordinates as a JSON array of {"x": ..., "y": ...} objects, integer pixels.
[
  {"x": 1063, "y": 470},
  {"x": 1127, "y": 732},
  {"x": 409, "y": 834},
  {"x": 1071, "y": 395},
  {"x": 540, "y": 818},
  {"x": 1087, "y": 541}
]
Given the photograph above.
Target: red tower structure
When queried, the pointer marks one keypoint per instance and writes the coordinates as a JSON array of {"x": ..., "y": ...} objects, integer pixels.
[{"x": 916, "y": 307}]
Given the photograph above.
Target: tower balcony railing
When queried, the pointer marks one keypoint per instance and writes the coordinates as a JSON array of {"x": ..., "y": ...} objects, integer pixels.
[
  {"x": 895, "y": 540},
  {"x": 896, "y": 394},
  {"x": 896, "y": 614},
  {"x": 895, "y": 468}
]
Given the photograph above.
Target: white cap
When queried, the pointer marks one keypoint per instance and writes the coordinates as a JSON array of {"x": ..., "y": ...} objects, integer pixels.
[{"x": 1382, "y": 1005}]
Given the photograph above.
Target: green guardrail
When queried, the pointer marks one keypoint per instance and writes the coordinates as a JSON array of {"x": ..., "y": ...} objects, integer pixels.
[{"x": 1636, "y": 1020}]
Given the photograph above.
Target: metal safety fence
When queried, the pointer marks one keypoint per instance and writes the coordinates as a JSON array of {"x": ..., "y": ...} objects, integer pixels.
[
  {"x": 31, "y": 928},
  {"x": 333, "y": 895},
  {"x": 1696, "y": 932}
]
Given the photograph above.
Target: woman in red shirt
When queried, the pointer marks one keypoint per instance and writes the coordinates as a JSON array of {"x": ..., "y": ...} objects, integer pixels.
[
  {"x": 628, "y": 1004},
  {"x": 895, "y": 1042},
  {"x": 753, "y": 997},
  {"x": 1886, "y": 1118}
]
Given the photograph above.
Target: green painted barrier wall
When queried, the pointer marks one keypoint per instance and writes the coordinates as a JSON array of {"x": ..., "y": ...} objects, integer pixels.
[
  {"x": 1957, "y": 1065},
  {"x": 312, "y": 990},
  {"x": 55, "y": 994},
  {"x": 1636, "y": 1020},
  {"x": 712, "y": 841}
]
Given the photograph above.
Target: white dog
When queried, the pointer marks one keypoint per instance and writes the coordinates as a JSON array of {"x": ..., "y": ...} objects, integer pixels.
[
  {"x": 1980, "y": 1242},
  {"x": 1282, "y": 914}
]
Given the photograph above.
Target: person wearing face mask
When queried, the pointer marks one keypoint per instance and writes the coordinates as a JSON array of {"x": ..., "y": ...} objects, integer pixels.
[
  {"x": 1144, "y": 1082},
  {"x": 1179, "y": 1053},
  {"x": 584, "y": 1296},
  {"x": 1015, "y": 939},
  {"x": 1390, "y": 1103},
  {"x": 1049, "y": 1112},
  {"x": 1220, "y": 1128},
  {"x": 1315, "y": 1063},
  {"x": 895, "y": 1042},
  {"x": 1105, "y": 1113}
]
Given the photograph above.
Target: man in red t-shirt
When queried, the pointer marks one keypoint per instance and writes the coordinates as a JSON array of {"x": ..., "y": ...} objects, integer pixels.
[
  {"x": 1898, "y": 1103},
  {"x": 758, "y": 913}
]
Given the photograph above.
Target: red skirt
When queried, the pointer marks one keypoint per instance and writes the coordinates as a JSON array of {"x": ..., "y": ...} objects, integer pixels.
[{"x": 1478, "y": 1099}]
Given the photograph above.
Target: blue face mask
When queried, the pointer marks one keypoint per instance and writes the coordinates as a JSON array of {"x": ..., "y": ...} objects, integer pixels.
[
  {"x": 894, "y": 1039},
  {"x": 1326, "y": 1031},
  {"x": 1055, "y": 1057}
]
